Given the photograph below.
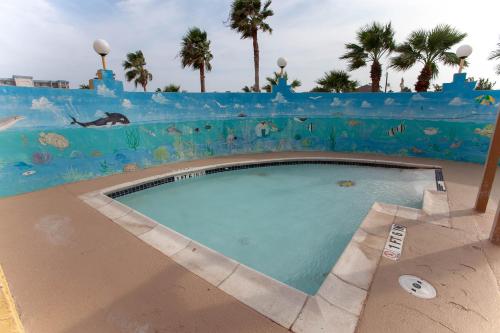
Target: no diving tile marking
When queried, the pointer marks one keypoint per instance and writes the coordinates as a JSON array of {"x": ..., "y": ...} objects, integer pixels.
[{"x": 394, "y": 245}]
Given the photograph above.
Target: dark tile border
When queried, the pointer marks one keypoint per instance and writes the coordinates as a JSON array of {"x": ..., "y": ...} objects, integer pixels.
[
  {"x": 209, "y": 171},
  {"x": 440, "y": 180}
]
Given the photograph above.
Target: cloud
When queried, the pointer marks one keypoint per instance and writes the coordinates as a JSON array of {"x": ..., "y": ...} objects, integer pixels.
[
  {"x": 457, "y": 101},
  {"x": 366, "y": 105},
  {"x": 239, "y": 106},
  {"x": 336, "y": 102},
  {"x": 279, "y": 99},
  {"x": 159, "y": 98},
  {"x": 418, "y": 97},
  {"x": 70, "y": 25},
  {"x": 99, "y": 114},
  {"x": 104, "y": 91},
  {"x": 259, "y": 106},
  {"x": 126, "y": 103},
  {"x": 43, "y": 104},
  {"x": 390, "y": 101}
]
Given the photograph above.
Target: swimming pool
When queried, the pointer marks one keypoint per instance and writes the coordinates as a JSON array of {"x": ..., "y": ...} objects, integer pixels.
[{"x": 290, "y": 222}]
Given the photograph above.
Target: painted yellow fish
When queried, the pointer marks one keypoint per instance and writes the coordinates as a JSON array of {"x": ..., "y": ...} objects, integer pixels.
[
  {"x": 485, "y": 100},
  {"x": 485, "y": 131}
]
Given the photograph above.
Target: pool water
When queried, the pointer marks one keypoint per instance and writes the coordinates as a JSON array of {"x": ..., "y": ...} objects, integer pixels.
[{"x": 289, "y": 222}]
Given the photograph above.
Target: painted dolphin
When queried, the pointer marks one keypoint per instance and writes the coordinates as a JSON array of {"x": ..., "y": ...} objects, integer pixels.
[
  {"x": 110, "y": 119},
  {"x": 8, "y": 122}
]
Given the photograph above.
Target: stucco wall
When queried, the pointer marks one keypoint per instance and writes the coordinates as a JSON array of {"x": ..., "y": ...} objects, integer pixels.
[{"x": 52, "y": 136}]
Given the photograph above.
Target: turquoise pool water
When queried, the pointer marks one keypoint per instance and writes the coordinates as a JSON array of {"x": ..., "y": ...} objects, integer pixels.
[{"x": 289, "y": 222}]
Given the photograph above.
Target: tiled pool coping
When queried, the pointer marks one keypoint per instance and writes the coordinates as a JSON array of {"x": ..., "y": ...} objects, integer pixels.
[{"x": 338, "y": 303}]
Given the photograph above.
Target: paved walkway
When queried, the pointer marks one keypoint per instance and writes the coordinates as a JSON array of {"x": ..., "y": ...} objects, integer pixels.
[{"x": 72, "y": 270}]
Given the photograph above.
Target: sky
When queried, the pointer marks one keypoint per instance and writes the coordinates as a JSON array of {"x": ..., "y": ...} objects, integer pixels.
[{"x": 52, "y": 39}]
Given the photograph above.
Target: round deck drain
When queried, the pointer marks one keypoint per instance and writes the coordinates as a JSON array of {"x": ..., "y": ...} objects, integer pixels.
[{"x": 417, "y": 286}]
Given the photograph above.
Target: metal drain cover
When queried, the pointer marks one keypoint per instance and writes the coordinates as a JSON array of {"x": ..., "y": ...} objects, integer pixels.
[{"x": 417, "y": 286}]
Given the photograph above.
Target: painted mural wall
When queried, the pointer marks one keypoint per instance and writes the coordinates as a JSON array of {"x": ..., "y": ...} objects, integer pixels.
[{"x": 53, "y": 136}]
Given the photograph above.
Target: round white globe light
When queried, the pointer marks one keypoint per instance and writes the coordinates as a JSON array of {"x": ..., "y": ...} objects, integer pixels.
[
  {"x": 101, "y": 47},
  {"x": 464, "y": 51},
  {"x": 281, "y": 62}
]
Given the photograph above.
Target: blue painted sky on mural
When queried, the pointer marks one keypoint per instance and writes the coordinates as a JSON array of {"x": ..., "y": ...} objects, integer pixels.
[{"x": 51, "y": 39}]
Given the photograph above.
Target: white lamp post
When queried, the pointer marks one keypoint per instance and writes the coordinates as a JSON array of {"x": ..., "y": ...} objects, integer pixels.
[
  {"x": 281, "y": 64},
  {"x": 102, "y": 48},
  {"x": 463, "y": 52}
]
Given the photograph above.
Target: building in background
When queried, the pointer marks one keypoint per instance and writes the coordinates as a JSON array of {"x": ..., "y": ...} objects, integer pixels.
[{"x": 27, "y": 81}]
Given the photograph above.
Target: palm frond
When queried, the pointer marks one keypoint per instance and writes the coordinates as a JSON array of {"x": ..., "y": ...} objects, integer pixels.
[{"x": 195, "y": 50}]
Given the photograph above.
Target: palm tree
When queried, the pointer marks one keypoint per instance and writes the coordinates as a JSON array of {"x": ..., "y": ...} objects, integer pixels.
[
  {"x": 246, "y": 89},
  {"x": 428, "y": 47},
  {"x": 485, "y": 84},
  {"x": 136, "y": 66},
  {"x": 248, "y": 17},
  {"x": 195, "y": 53},
  {"x": 273, "y": 81},
  {"x": 170, "y": 88},
  {"x": 337, "y": 81},
  {"x": 374, "y": 42},
  {"x": 496, "y": 55}
]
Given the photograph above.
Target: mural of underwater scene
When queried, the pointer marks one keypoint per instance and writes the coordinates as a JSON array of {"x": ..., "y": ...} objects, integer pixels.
[{"x": 50, "y": 136}]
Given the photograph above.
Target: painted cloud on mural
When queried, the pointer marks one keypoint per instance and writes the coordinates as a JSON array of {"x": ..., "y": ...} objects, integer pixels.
[{"x": 105, "y": 91}]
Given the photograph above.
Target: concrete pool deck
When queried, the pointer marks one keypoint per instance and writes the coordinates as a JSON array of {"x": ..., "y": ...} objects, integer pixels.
[{"x": 71, "y": 270}]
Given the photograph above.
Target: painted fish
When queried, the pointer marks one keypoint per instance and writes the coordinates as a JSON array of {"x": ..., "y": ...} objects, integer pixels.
[
  {"x": 486, "y": 131},
  {"x": 208, "y": 127},
  {"x": 173, "y": 131},
  {"x": 148, "y": 131},
  {"x": 29, "y": 173},
  {"x": 274, "y": 128},
  {"x": 8, "y": 122},
  {"x": 353, "y": 122},
  {"x": 96, "y": 153},
  {"x": 53, "y": 139},
  {"x": 221, "y": 106},
  {"x": 395, "y": 130},
  {"x": 430, "y": 131},
  {"x": 299, "y": 119},
  {"x": 76, "y": 154},
  {"x": 197, "y": 130},
  {"x": 416, "y": 150},
  {"x": 310, "y": 127},
  {"x": 485, "y": 100},
  {"x": 456, "y": 144},
  {"x": 110, "y": 119},
  {"x": 242, "y": 115}
]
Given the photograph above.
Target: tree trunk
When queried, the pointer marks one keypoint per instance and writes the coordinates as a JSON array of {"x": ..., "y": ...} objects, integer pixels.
[
  {"x": 144, "y": 86},
  {"x": 256, "y": 86},
  {"x": 376, "y": 74},
  {"x": 424, "y": 79},
  {"x": 202, "y": 77}
]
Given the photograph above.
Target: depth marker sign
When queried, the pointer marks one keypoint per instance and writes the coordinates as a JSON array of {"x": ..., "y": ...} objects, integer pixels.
[{"x": 394, "y": 245}]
